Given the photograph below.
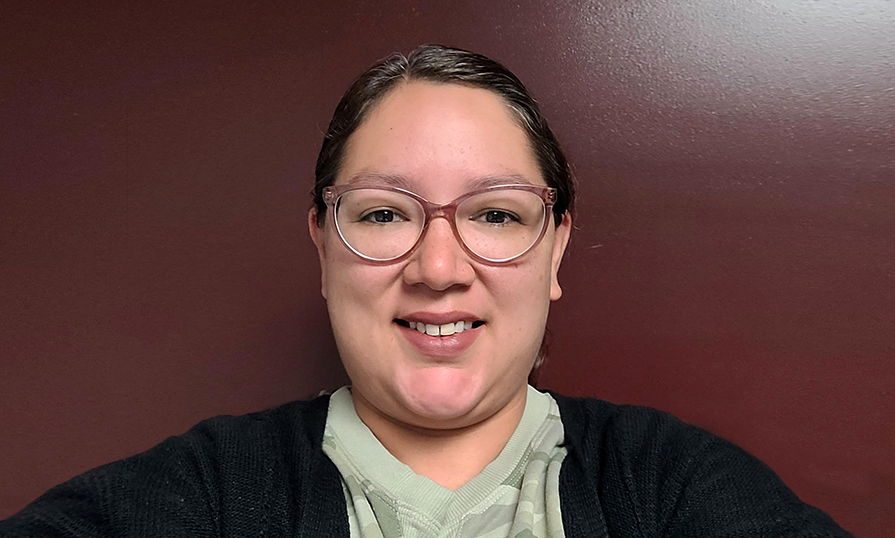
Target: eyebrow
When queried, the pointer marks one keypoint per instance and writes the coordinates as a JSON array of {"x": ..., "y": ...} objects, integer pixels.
[
  {"x": 374, "y": 179},
  {"x": 494, "y": 181}
]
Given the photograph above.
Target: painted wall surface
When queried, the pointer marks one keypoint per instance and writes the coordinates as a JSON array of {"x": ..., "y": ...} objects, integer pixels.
[{"x": 733, "y": 260}]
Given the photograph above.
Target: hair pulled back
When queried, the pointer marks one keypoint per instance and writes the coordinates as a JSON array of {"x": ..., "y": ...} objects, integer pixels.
[{"x": 436, "y": 63}]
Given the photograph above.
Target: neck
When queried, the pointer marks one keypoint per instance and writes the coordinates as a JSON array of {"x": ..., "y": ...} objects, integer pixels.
[{"x": 449, "y": 457}]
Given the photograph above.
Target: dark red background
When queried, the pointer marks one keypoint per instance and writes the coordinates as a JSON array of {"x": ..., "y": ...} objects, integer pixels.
[{"x": 733, "y": 260}]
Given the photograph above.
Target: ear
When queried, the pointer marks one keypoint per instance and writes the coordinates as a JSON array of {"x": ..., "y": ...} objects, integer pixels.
[
  {"x": 560, "y": 241},
  {"x": 318, "y": 236}
]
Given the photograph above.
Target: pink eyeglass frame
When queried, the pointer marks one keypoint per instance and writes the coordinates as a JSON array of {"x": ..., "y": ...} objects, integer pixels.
[{"x": 448, "y": 211}]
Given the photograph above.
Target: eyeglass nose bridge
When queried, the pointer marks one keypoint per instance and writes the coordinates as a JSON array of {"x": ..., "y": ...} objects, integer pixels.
[{"x": 447, "y": 212}]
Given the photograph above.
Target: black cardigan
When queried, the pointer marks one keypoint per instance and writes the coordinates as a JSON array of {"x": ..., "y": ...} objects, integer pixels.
[{"x": 630, "y": 472}]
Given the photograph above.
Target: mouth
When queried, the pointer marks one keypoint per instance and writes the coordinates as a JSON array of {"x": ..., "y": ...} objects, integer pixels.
[{"x": 444, "y": 329}]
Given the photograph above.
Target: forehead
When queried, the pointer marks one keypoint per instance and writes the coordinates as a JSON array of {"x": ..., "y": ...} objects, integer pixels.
[{"x": 445, "y": 135}]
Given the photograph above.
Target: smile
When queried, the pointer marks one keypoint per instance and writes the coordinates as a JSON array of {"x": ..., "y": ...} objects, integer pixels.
[
  {"x": 444, "y": 329},
  {"x": 447, "y": 339}
]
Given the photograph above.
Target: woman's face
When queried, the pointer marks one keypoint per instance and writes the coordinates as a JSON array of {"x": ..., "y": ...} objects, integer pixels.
[{"x": 439, "y": 141}]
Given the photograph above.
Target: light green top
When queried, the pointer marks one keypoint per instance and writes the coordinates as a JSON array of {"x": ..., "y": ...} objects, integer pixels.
[{"x": 516, "y": 495}]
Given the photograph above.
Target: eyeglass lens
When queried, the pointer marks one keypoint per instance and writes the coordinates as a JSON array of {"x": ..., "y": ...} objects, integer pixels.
[{"x": 496, "y": 225}]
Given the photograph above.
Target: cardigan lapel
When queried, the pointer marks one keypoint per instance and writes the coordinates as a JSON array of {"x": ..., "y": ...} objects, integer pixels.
[
  {"x": 582, "y": 515},
  {"x": 322, "y": 511}
]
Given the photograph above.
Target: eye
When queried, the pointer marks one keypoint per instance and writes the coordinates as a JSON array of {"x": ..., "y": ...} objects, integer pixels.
[
  {"x": 497, "y": 217},
  {"x": 382, "y": 216}
]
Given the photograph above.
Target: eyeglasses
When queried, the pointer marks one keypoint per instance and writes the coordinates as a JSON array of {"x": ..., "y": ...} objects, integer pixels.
[{"x": 493, "y": 225}]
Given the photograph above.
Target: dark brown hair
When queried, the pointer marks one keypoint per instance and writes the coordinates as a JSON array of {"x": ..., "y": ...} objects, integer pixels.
[{"x": 435, "y": 63}]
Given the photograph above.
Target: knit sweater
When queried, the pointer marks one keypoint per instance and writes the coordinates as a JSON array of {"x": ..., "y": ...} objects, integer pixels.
[{"x": 630, "y": 472}]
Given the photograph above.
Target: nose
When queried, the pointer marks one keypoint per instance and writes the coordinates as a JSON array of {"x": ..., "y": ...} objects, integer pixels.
[{"x": 439, "y": 263}]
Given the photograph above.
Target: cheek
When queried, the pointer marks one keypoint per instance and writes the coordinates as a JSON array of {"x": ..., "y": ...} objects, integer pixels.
[
  {"x": 533, "y": 277},
  {"x": 344, "y": 271},
  {"x": 355, "y": 290},
  {"x": 349, "y": 287},
  {"x": 360, "y": 309},
  {"x": 522, "y": 293}
]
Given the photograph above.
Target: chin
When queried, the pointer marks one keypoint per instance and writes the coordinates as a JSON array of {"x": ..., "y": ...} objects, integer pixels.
[{"x": 441, "y": 394}]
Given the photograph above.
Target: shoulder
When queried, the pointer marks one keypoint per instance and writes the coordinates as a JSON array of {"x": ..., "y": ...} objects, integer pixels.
[
  {"x": 645, "y": 451},
  {"x": 249, "y": 457},
  {"x": 649, "y": 449},
  {"x": 253, "y": 465},
  {"x": 678, "y": 478},
  {"x": 625, "y": 428},
  {"x": 301, "y": 421},
  {"x": 221, "y": 447}
]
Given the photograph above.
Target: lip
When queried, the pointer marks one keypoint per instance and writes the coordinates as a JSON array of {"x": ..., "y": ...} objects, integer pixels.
[
  {"x": 440, "y": 318},
  {"x": 442, "y": 347}
]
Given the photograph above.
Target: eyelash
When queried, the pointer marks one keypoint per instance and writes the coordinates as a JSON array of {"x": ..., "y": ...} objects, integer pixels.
[
  {"x": 370, "y": 216},
  {"x": 508, "y": 215}
]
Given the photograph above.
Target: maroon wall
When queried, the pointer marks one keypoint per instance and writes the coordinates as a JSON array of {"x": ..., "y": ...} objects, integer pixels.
[{"x": 733, "y": 260}]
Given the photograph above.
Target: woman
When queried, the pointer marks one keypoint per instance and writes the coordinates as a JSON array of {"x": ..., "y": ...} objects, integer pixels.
[{"x": 442, "y": 210}]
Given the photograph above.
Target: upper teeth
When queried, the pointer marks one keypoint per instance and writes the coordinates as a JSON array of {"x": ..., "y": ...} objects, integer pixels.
[{"x": 446, "y": 329}]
